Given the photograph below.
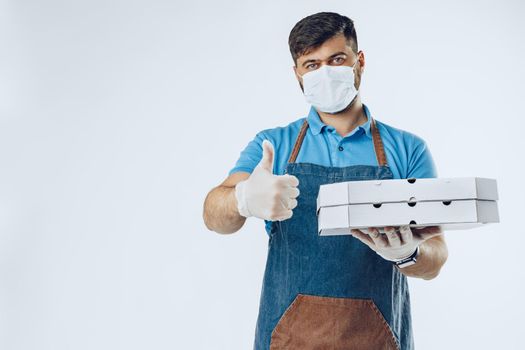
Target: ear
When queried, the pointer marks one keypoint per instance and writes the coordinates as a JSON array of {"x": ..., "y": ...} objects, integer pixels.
[
  {"x": 361, "y": 56},
  {"x": 296, "y": 74},
  {"x": 298, "y": 77}
]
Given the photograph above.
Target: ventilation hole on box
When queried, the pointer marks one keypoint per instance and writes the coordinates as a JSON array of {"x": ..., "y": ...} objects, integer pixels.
[
  {"x": 411, "y": 204},
  {"x": 411, "y": 180},
  {"x": 447, "y": 202},
  {"x": 412, "y": 222},
  {"x": 377, "y": 205}
]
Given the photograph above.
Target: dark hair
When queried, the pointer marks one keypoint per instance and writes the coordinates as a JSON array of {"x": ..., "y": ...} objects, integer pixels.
[{"x": 312, "y": 31}]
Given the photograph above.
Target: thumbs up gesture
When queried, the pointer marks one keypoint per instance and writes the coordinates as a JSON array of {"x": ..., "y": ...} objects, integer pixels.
[{"x": 265, "y": 195}]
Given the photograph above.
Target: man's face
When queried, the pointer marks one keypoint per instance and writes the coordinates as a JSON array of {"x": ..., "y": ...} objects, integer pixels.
[{"x": 335, "y": 52}]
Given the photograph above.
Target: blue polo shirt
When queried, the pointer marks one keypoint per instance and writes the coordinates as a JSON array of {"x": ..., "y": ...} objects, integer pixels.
[{"x": 407, "y": 154}]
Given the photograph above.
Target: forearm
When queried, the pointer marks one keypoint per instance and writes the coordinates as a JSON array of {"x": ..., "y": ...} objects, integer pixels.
[
  {"x": 220, "y": 211},
  {"x": 433, "y": 254}
]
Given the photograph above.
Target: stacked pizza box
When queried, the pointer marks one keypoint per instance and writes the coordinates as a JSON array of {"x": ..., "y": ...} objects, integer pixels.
[{"x": 452, "y": 203}]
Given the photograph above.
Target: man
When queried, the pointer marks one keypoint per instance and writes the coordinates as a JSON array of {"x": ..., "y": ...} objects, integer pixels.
[{"x": 329, "y": 292}]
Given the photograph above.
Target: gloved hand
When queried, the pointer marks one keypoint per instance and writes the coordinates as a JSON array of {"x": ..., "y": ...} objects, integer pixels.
[
  {"x": 265, "y": 195},
  {"x": 398, "y": 242}
]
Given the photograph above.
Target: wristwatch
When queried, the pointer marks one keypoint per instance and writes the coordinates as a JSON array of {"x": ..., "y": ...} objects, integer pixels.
[{"x": 409, "y": 260}]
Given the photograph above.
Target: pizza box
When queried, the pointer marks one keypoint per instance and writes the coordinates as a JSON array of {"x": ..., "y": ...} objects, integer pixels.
[
  {"x": 406, "y": 190},
  {"x": 450, "y": 215}
]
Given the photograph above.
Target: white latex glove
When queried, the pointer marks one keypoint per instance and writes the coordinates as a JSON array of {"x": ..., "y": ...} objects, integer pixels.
[
  {"x": 396, "y": 243},
  {"x": 265, "y": 195}
]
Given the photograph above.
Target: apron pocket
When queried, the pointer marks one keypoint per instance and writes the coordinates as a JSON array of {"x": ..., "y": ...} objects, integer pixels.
[{"x": 317, "y": 322}]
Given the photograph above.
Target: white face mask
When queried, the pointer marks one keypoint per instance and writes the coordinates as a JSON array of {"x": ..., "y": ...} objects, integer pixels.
[{"x": 330, "y": 88}]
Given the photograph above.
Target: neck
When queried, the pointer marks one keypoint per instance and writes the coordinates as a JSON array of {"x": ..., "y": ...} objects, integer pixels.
[{"x": 346, "y": 120}]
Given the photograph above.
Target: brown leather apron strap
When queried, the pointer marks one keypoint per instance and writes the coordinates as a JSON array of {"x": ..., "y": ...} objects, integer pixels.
[
  {"x": 378, "y": 144},
  {"x": 298, "y": 142},
  {"x": 376, "y": 137}
]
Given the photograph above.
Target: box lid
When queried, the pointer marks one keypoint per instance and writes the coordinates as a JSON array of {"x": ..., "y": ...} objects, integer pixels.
[{"x": 407, "y": 190}]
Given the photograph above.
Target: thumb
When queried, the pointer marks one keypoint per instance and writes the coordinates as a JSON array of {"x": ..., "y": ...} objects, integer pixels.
[{"x": 267, "y": 157}]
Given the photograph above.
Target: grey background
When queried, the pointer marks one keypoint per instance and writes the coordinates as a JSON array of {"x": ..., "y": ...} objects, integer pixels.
[{"x": 117, "y": 118}]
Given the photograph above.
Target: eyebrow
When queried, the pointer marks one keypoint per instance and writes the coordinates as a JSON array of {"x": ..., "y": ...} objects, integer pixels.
[{"x": 332, "y": 56}]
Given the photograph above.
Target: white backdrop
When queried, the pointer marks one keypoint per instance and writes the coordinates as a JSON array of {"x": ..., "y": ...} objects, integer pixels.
[{"x": 117, "y": 118}]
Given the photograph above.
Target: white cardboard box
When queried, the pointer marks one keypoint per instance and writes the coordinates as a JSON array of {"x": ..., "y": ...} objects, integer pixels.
[
  {"x": 456, "y": 214},
  {"x": 406, "y": 190}
]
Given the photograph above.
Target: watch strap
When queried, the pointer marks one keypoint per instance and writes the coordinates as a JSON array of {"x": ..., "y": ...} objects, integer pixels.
[{"x": 409, "y": 260}]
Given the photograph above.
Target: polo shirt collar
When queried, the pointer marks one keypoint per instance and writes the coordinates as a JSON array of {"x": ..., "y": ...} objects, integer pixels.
[{"x": 316, "y": 125}]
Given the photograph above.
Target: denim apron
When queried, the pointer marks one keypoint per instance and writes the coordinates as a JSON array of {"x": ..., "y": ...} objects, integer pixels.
[{"x": 329, "y": 292}]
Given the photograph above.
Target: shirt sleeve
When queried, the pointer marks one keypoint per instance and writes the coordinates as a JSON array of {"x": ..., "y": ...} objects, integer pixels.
[
  {"x": 421, "y": 163},
  {"x": 250, "y": 156}
]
